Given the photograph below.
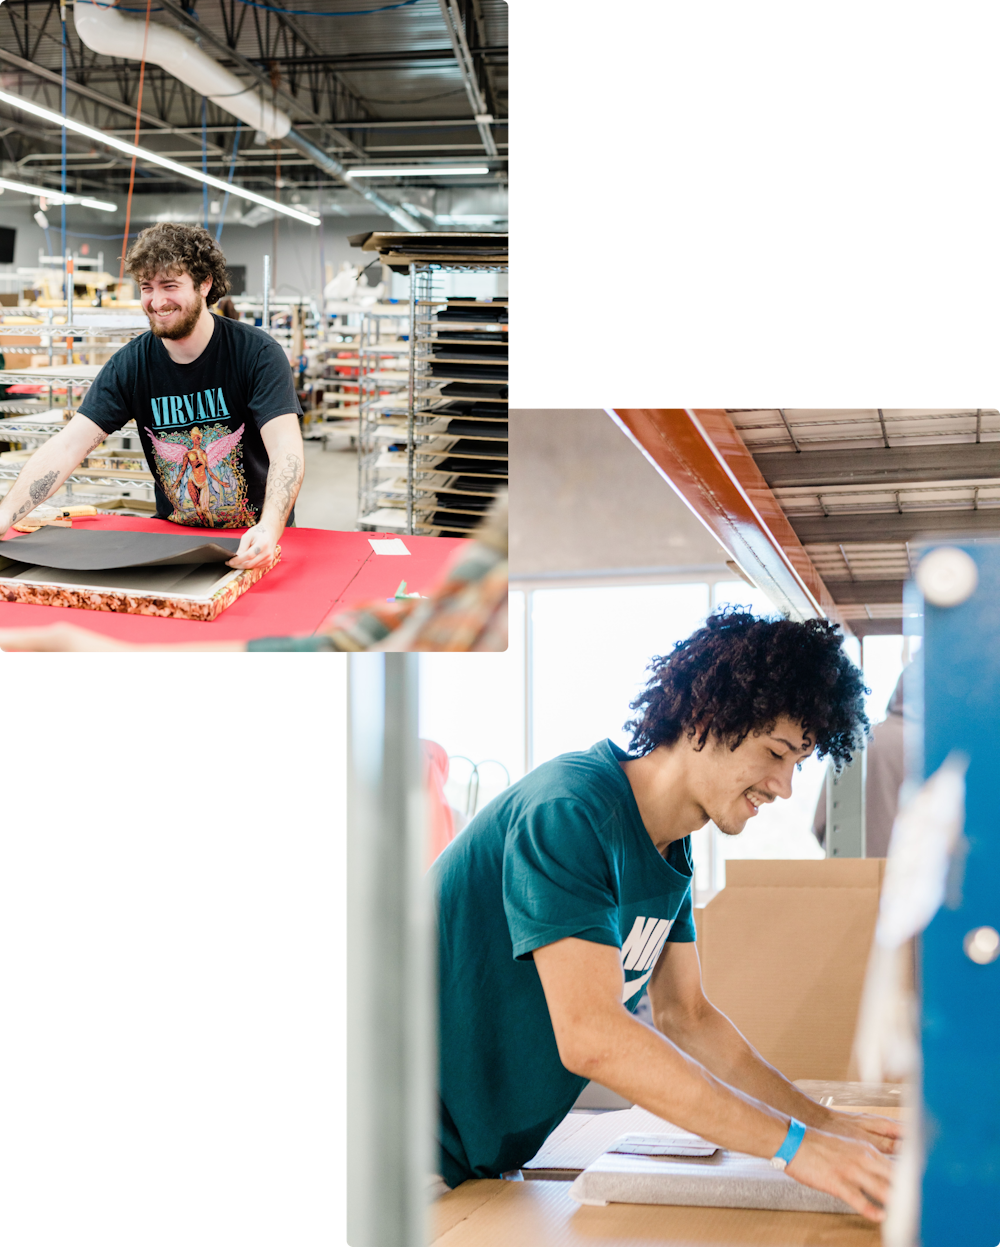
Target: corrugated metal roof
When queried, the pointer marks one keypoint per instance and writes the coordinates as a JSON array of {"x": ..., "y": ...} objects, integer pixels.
[{"x": 868, "y": 483}]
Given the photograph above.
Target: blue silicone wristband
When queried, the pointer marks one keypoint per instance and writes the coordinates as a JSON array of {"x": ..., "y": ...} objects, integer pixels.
[{"x": 793, "y": 1138}]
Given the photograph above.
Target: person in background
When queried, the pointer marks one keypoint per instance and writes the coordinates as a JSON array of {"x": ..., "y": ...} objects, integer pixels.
[
  {"x": 226, "y": 307},
  {"x": 883, "y": 780},
  {"x": 466, "y": 611},
  {"x": 440, "y": 815}
]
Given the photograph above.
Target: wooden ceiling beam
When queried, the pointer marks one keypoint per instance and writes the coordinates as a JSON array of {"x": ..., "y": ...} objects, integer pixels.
[{"x": 702, "y": 457}]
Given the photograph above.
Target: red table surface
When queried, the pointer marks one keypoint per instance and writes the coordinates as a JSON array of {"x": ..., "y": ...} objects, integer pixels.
[{"x": 320, "y": 571}]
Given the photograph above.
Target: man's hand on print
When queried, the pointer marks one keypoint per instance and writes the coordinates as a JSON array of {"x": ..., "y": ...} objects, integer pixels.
[{"x": 257, "y": 547}]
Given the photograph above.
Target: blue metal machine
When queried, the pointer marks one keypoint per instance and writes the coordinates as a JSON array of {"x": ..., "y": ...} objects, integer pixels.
[{"x": 960, "y": 957}]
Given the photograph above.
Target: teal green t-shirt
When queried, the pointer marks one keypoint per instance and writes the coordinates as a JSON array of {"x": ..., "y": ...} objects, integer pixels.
[{"x": 561, "y": 853}]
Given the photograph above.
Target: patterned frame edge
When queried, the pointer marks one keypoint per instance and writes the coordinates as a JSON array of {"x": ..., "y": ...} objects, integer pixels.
[{"x": 161, "y": 605}]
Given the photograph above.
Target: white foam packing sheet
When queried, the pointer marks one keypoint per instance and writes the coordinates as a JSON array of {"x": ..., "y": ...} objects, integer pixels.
[
  {"x": 580, "y": 1138},
  {"x": 727, "y": 1180},
  {"x": 660, "y": 1145},
  {"x": 582, "y": 1142}
]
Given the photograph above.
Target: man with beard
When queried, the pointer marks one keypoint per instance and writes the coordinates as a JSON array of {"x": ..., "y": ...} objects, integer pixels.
[{"x": 210, "y": 396}]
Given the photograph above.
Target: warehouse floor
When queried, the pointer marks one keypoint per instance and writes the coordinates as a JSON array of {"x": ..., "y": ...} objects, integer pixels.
[{"x": 329, "y": 494}]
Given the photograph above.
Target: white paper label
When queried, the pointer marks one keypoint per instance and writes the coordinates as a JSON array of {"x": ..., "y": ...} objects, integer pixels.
[{"x": 387, "y": 545}]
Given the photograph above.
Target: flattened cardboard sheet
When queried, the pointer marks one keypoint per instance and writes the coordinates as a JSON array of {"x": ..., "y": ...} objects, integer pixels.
[{"x": 77, "y": 549}]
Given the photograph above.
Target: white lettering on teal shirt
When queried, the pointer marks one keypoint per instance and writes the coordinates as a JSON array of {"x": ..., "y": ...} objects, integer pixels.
[{"x": 641, "y": 949}]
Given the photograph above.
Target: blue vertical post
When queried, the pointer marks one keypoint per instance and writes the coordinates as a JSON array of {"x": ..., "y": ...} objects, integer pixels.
[
  {"x": 204, "y": 159},
  {"x": 960, "y": 993},
  {"x": 62, "y": 105},
  {"x": 322, "y": 261},
  {"x": 229, "y": 182}
]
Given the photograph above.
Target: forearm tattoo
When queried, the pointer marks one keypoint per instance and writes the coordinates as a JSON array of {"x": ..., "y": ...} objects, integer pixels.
[
  {"x": 283, "y": 483},
  {"x": 38, "y": 491}
]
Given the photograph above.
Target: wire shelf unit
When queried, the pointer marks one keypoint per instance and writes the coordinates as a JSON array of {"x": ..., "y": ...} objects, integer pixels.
[{"x": 433, "y": 416}]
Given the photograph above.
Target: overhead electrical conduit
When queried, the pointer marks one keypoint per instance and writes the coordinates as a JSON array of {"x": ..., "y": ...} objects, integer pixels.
[{"x": 107, "y": 31}]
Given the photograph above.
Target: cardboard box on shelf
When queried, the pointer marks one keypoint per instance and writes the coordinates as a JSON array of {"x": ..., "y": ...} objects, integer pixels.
[
  {"x": 20, "y": 339},
  {"x": 784, "y": 948}
]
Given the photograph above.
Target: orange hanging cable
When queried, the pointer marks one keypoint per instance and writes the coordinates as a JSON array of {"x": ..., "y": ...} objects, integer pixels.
[{"x": 138, "y": 122}]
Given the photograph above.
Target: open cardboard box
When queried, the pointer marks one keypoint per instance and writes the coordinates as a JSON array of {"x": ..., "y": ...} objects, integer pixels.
[{"x": 784, "y": 949}]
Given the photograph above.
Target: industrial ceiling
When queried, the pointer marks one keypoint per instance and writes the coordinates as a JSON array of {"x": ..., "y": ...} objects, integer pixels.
[
  {"x": 420, "y": 84},
  {"x": 862, "y": 487}
]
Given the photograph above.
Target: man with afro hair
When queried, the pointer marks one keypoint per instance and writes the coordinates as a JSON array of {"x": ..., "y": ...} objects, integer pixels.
[{"x": 569, "y": 896}]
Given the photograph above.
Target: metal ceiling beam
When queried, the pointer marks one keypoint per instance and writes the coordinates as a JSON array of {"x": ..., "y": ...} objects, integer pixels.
[
  {"x": 847, "y": 592},
  {"x": 379, "y": 60},
  {"x": 334, "y": 167},
  {"x": 456, "y": 122},
  {"x": 467, "y": 68},
  {"x": 863, "y": 628},
  {"x": 901, "y": 465},
  {"x": 703, "y": 459},
  {"x": 79, "y": 89},
  {"x": 74, "y": 171},
  {"x": 876, "y": 526}
]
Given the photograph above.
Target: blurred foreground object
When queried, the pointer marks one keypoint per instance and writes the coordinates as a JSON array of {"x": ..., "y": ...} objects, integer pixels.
[
  {"x": 887, "y": 1046},
  {"x": 942, "y": 891},
  {"x": 440, "y": 815},
  {"x": 391, "y": 1056},
  {"x": 467, "y": 610}
]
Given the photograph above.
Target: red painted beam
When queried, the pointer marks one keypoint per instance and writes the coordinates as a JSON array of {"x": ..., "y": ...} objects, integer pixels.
[{"x": 704, "y": 460}]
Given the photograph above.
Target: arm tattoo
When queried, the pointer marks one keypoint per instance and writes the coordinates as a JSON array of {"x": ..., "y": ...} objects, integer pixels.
[
  {"x": 283, "y": 482},
  {"x": 38, "y": 491}
]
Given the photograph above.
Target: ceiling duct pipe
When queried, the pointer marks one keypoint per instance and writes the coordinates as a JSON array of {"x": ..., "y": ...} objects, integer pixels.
[
  {"x": 334, "y": 167},
  {"x": 105, "y": 30}
]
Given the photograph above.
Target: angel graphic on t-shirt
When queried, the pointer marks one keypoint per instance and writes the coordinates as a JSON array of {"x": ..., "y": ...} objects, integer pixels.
[{"x": 196, "y": 463}]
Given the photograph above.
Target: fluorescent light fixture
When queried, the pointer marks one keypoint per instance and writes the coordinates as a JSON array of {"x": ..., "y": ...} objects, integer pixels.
[
  {"x": 57, "y": 197},
  {"x": 140, "y": 153},
  {"x": 469, "y": 220},
  {"x": 427, "y": 171}
]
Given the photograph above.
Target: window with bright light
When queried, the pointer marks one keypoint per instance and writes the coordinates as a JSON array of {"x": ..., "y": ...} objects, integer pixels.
[
  {"x": 589, "y": 656},
  {"x": 473, "y": 706},
  {"x": 885, "y": 658},
  {"x": 739, "y": 593}
]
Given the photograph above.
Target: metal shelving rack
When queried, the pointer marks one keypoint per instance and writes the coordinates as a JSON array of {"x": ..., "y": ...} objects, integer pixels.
[
  {"x": 21, "y": 422},
  {"x": 383, "y": 404},
  {"x": 407, "y": 415}
]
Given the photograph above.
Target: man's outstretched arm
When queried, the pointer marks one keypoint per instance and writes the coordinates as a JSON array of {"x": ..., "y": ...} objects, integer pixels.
[
  {"x": 48, "y": 467},
  {"x": 682, "y": 1012},
  {"x": 283, "y": 443},
  {"x": 598, "y": 1038}
]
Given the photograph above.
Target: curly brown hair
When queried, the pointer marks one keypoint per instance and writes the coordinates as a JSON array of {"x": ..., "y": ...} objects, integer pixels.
[
  {"x": 169, "y": 248},
  {"x": 740, "y": 673}
]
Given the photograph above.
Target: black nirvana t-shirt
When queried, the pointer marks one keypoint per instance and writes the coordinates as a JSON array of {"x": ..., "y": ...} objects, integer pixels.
[{"x": 199, "y": 424}]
